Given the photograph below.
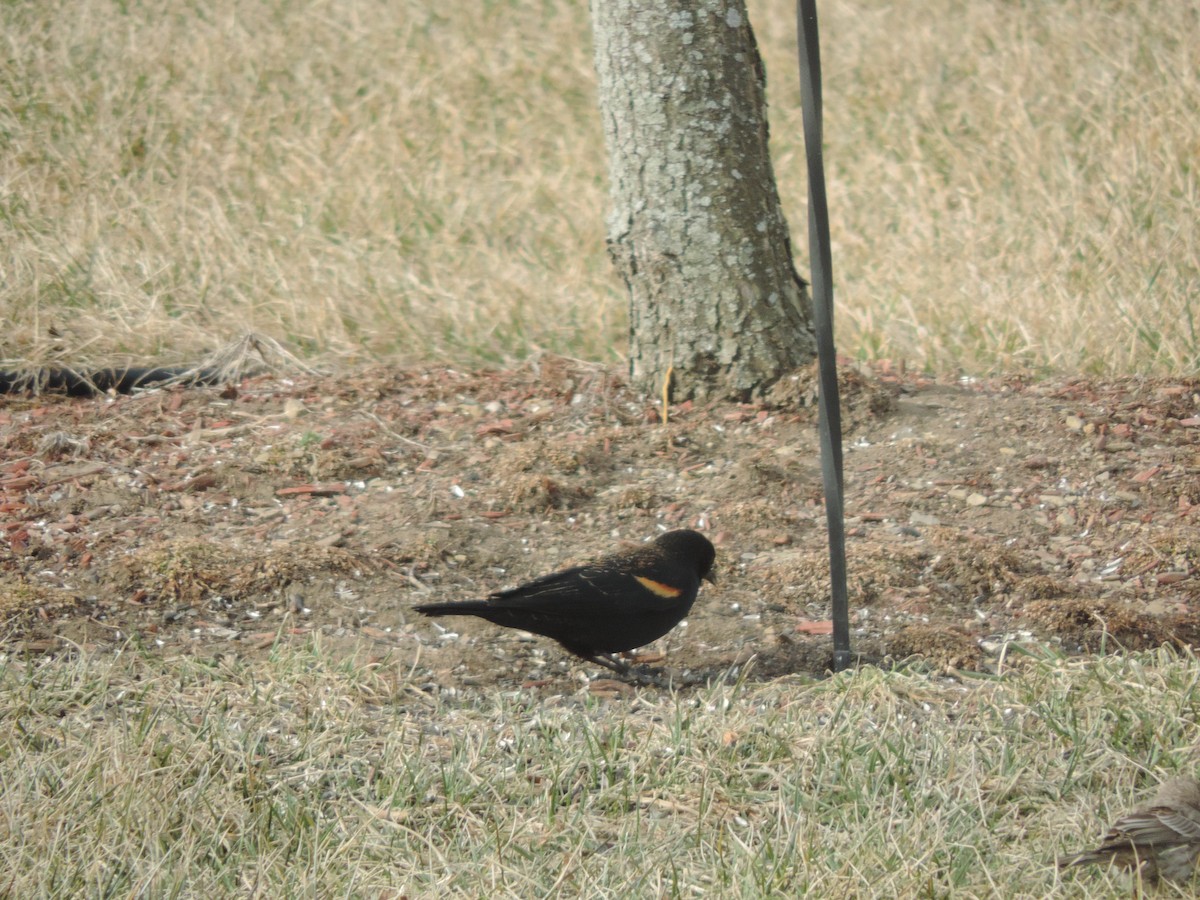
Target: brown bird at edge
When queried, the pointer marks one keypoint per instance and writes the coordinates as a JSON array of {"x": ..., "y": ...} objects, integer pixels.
[
  {"x": 610, "y": 606},
  {"x": 1160, "y": 840}
]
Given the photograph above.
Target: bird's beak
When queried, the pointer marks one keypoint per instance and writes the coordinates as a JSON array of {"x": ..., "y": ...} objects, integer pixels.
[{"x": 710, "y": 576}]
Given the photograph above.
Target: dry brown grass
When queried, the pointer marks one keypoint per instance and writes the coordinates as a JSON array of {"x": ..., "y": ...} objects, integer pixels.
[
  {"x": 391, "y": 178},
  {"x": 1012, "y": 185}
]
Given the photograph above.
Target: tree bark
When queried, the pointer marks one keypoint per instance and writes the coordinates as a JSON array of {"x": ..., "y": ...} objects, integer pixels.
[{"x": 695, "y": 228}]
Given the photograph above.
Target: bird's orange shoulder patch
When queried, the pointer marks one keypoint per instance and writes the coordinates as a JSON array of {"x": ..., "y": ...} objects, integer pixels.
[{"x": 658, "y": 588}]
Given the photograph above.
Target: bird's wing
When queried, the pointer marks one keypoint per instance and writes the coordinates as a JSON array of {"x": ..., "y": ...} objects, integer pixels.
[
  {"x": 1156, "y": 825},
  {"x": 1183, "y": 825},
  {"x": 665, "y": 580},
  {"x": 592, "y": 586}
]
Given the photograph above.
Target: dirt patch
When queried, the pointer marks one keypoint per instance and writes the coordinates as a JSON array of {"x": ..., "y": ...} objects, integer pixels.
[{"x": 979, "y": 513}]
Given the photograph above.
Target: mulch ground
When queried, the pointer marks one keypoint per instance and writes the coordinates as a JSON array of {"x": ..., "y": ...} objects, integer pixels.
[{"x": 220, "y": 520}]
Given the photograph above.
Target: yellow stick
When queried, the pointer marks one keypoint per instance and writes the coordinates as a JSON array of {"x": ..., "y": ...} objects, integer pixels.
[{"x": 666, "y": 393}]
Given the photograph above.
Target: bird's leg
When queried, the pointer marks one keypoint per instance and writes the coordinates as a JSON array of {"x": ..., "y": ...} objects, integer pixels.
[
  {"x": 638, "y": 675},
  {"x": 608, "y": 661},
  {"x": 614, "y": 663}
]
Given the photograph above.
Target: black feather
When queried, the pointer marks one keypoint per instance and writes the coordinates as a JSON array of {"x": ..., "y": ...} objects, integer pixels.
[{"x": 616, "y": 604}]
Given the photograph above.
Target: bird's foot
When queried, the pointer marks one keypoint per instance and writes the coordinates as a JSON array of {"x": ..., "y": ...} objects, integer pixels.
[{"x": 637, "y": 674}]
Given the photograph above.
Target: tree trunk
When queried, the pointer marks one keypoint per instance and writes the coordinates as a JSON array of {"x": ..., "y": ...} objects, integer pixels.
[{"x": 695, "y": 228}]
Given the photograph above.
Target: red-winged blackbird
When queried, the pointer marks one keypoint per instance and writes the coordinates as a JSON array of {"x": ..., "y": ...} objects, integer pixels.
[
  {"x": 612, "y": 605},
  {"x": 1158, "y": 840}
]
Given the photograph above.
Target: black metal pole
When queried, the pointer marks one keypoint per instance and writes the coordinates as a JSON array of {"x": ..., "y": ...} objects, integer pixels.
[{"x": 830, "y": 415}]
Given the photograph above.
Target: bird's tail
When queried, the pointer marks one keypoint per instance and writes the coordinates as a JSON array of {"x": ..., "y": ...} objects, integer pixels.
[
  {"x": 455, "y": 608},
  {"x": 1081, "y": 859}
]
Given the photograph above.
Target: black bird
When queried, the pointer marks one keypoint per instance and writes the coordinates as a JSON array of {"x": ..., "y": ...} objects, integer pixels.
[{"x": 615, "y": 604}]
